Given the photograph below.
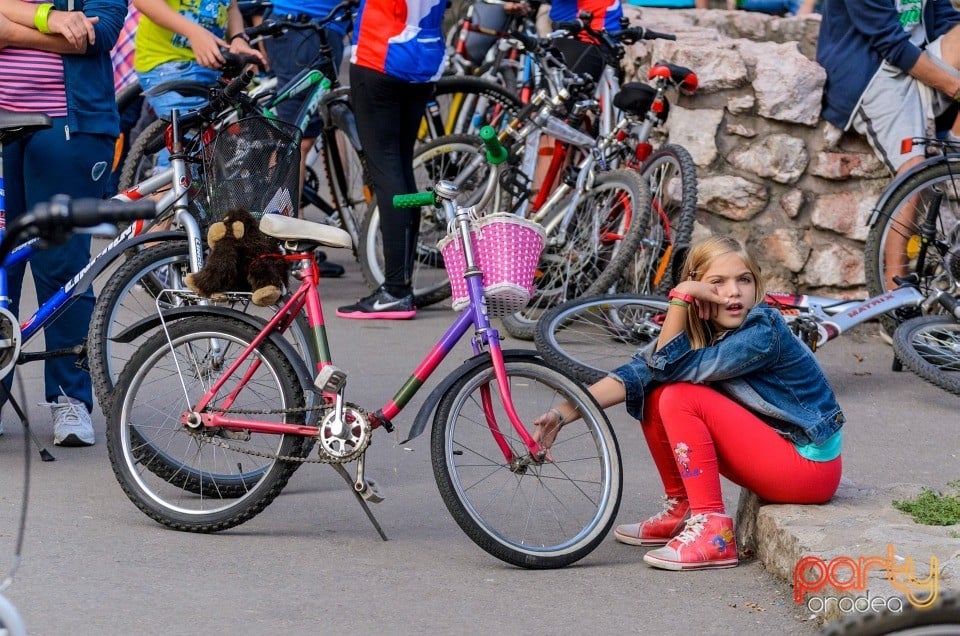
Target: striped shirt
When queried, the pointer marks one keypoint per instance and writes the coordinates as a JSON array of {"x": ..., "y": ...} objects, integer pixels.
[{"x": 31, "y": 81}]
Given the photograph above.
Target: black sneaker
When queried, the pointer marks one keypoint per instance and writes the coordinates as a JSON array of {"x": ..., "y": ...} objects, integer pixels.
[
  {"x": 380, "y": 305},
  {"x": 326, "y": 268}
]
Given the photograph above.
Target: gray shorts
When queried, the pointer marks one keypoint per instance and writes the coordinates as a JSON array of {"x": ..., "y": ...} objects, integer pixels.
[{"x": 895, "y": 106}]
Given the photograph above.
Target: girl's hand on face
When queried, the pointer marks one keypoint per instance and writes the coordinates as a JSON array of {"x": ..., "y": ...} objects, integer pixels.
[{"x": 705, "y": 297}]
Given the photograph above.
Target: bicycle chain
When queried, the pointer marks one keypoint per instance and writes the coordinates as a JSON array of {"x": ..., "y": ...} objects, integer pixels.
[{"x": 322, "y": 456}]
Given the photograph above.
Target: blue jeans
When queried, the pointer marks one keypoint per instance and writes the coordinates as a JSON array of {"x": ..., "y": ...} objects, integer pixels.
[
  {"x": 37, "y": 167},
  {"x": 163, "y": 104}
]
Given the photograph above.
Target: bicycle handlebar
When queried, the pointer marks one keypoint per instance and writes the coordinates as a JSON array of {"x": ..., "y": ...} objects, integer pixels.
[
  {"x": 633, "y": 34},
  {"x": 414, "y": 200},
  {"x": 54, "y": 220}
]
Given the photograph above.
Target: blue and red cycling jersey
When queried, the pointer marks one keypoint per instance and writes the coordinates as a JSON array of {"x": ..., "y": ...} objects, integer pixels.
[
  {"x": 401, "y": 38},
  {"x": 606, "y": 13}
]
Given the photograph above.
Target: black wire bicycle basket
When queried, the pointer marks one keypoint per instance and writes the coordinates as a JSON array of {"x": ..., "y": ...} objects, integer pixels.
[{"x": 254, "y": 164}]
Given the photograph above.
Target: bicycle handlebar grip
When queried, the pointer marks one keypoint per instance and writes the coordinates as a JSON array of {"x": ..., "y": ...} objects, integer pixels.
[
  {"x": 950, "y": 303},
  {"x": 570, "y": 27},
  {"x": 267, "y": 27},
  {"x": 647, "y": 34},
  {"x": 92, "y": 212},
  {"x": 236, "y": 86},
  {"x": 496, "y": 153},
  {"x": 414, "y": 200}
]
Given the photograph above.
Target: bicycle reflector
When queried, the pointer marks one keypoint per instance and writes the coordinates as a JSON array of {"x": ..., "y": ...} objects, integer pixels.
[{"x": 906, "y": 146}]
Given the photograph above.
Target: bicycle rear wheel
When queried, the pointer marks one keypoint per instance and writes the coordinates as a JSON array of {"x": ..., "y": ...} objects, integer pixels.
[
  {"x": 930, "y": 347},
  {"x": 528, "y": 514},
  {"x": 466, "y": 104},
  {"x": 589, "y": 255},
  {"x": 589, "y": 337},
  {"x": 457, "y": 159},
  {"x": 672, "y": 177},
  {"x": 188, "y": 480}
]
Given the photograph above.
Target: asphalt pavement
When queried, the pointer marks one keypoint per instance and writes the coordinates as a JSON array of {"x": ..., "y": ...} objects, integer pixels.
[{"x": 312, "y": 563}]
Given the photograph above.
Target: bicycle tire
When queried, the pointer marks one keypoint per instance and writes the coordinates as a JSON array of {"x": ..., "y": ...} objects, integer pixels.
[
  {"x": 440, "y": 159},
  {"x": 888, "y": 222},
  {"x": 469, "y": 103},
  {"x": 930, "y": 347},
  {"x": 572, "y": 501},
  {"x": 128, "y": 295},
  {"x": 144, "y": 423},
  {"x": 598, "y": 249},
  {"x": 588, "y": 337},
  {"x": 347, "y": 181},
  {"x": 141, "y": 158},
  {"x": 672, "y": 177},
  {"x": 942, "y": 619}
]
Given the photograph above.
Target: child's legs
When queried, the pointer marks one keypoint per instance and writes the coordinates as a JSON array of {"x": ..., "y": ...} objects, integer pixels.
[
  {"x": 716, "y": 435},
  {"x": 660, "y": 447}
]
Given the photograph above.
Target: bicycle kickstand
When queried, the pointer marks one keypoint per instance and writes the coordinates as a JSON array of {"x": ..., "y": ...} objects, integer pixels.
[
  {"x": 332, "y": 380},
  {"x": 45, "y": 455}
]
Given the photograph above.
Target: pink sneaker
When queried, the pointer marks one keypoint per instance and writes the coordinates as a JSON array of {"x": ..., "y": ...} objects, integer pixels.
[
  {"x": 706, "y": 542},
  {"x": 658, "y": 529}
]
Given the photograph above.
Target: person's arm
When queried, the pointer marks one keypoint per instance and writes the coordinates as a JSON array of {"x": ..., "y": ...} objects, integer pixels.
[
  {"x": 708, "y": 303},
  {"x": 205, "y": 45},
  {"x": 76, "y": 28},
  {"x": 17, "y": 35},
  {"x": 606, "y": 392},
  {"x": 236, "y": 38},
  {"x": 929, "y": 73}
]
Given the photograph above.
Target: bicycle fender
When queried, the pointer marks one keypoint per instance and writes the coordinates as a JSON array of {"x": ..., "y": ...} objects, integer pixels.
[
  {"x": 123, "y": 241},
  {"x": 152, "y": 322},
  {"x": 888, "y": 192},
  {"x": 430, "y": 404}
]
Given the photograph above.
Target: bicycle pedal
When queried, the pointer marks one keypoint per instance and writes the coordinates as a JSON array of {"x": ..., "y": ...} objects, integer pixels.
[
  {"x": 369, "y": 490},
  {"x": 331, "y": 379}
]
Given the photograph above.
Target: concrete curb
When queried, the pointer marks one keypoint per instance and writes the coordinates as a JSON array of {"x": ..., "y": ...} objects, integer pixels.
[{"x": 857, "y": 523}]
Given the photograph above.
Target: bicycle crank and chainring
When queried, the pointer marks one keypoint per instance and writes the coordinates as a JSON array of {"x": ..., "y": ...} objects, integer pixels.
[
  {"x": 348, "y": 443},
  {"x": 344, "y": 438}
]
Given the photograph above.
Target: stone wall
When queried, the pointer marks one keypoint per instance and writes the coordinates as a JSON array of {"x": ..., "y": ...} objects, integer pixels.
[{"x": 770, "y": 170}]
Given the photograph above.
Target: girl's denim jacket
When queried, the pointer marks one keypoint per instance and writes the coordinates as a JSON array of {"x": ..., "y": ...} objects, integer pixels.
[
  {"x": 91, "y": 107},
  {"x": 761, "y": 365}
]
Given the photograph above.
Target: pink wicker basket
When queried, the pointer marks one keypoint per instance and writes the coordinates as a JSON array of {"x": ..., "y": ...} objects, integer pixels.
[{"x": 507, "y": 249}]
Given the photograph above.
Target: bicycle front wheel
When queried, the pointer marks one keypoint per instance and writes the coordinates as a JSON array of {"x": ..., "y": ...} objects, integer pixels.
[
  {"x": 930, "y": 347},
  {"x": 672, "y": 177},
  {"x": 529, "y": 514},
  {"x": 204, "y": 480},
  {"x": 898, "y": 244},
  {"x": 588, "y": 255},
  {"x": 589, "y": 337}
]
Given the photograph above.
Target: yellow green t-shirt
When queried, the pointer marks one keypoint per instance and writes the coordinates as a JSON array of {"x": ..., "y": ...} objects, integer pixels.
[{"x": 156, "y": 45}]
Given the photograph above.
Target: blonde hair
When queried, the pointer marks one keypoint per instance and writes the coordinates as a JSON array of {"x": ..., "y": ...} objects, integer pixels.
[{"x": 698, "y": 262}]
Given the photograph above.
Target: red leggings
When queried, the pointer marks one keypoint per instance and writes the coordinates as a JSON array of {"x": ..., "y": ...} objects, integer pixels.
[{"x": 696, "y": 434}]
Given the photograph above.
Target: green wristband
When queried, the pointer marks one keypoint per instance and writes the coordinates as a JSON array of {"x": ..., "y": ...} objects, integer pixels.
[{"x": 41, "y": 16}]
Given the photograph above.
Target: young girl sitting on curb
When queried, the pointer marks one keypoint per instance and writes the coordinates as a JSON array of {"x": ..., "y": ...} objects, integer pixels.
[{"x": 727, "y": 390}]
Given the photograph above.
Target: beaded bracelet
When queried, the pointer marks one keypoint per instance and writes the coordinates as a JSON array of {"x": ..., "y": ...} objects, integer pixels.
[
  {"x": 687, "y": 298},
  {"x": 41, "y": 16}
]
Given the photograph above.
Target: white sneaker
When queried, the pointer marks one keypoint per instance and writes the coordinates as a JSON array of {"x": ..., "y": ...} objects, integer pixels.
[{"x": 71, "y": 423}]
